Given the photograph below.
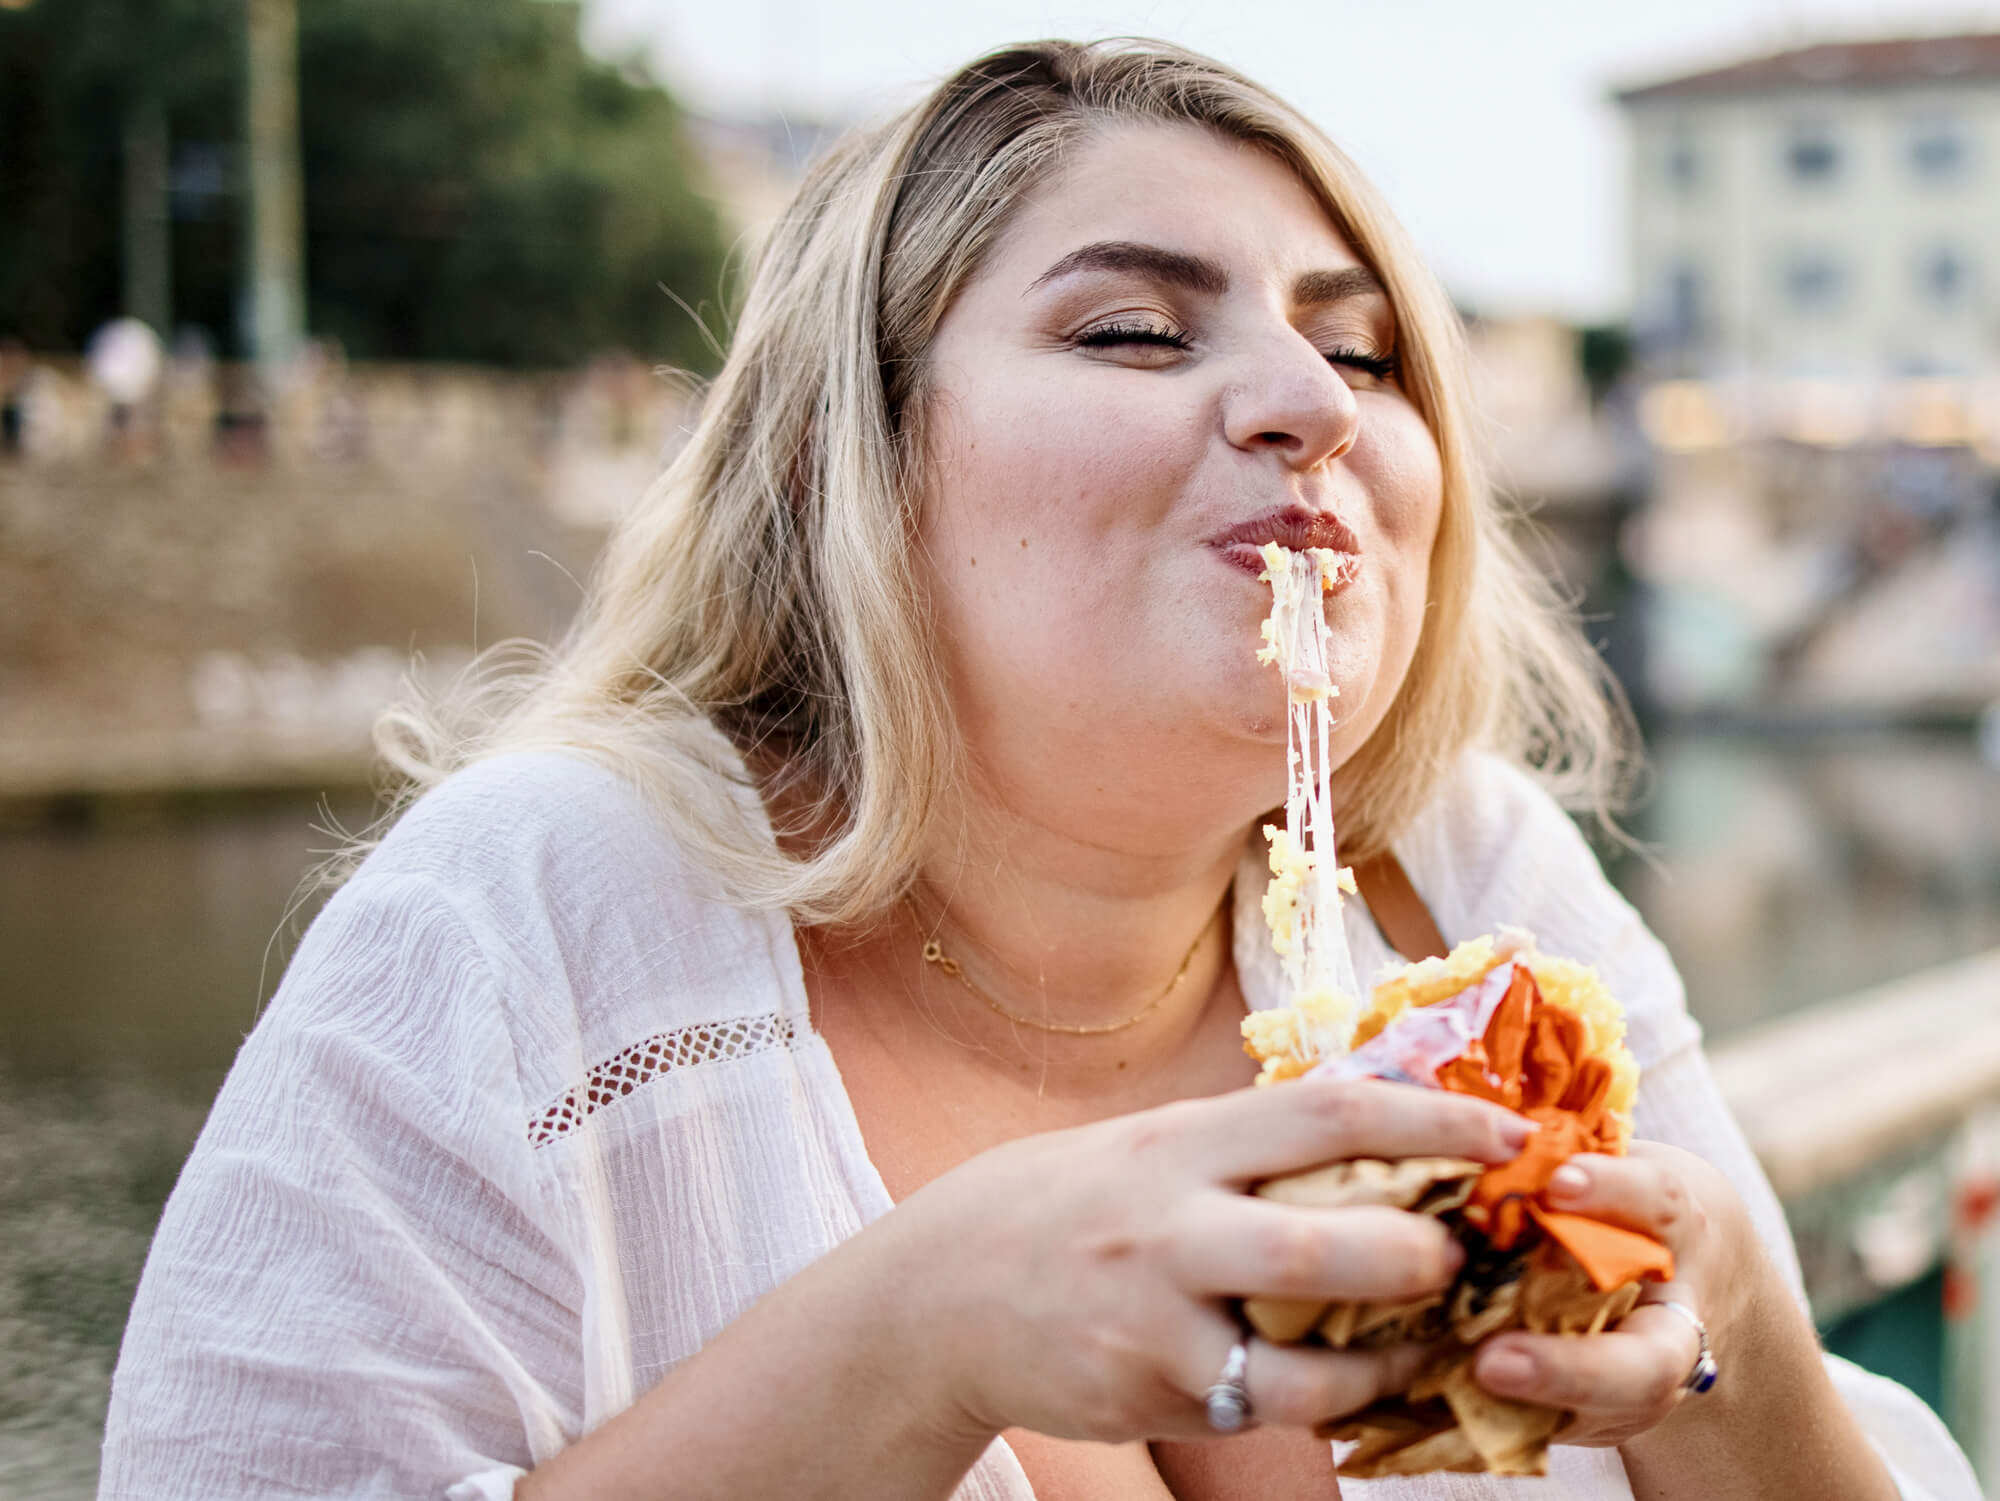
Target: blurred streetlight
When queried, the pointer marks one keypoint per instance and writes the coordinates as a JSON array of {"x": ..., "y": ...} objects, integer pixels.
[
  {"x": 1825, "y": 413},
  {"x": 1684, "y": 416},
  {"x": 1933, "y": 414}
]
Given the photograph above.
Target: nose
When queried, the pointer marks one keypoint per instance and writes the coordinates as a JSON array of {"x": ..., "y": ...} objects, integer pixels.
[{"x": 1292, "y": 403}]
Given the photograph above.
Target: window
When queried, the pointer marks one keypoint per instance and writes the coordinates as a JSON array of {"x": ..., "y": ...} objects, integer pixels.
[
  {"x": 1813, "y": 283},
  {"x": 1944, "y": 276},
  {"x": 1813, "y": 156},
  {"x": 1683, "y": 164},
  {"x": 200, "y": 181},
  {"x": 1937, "y": 150}
]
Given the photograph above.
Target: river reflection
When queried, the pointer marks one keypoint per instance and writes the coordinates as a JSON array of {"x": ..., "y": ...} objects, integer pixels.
[
  {"x": 1791, "y": 872},
  {"x": 137, "y": 958}
]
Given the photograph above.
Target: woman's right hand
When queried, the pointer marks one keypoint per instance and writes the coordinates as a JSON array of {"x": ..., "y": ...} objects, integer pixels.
[{"x": 1075, "y": 1283}]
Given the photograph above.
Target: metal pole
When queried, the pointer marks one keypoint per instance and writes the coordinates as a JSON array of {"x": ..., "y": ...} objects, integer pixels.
[
  {"x": 148, "y": 246},
  {"x": 276, "y": 293}
]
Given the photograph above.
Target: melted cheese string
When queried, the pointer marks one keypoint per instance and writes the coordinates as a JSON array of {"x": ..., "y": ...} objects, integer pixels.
[{"x": 1301, "y": 904}]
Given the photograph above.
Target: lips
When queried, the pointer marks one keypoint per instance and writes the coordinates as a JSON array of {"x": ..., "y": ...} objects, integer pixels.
[{"x": 1295, "y": 528}]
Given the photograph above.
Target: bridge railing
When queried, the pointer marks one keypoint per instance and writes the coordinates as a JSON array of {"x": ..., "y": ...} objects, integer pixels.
[{"x": 1877, "y": 1117}]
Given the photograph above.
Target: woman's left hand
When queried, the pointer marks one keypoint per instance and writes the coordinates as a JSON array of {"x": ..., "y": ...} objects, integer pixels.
[{"x": 1621, "y": 1383}]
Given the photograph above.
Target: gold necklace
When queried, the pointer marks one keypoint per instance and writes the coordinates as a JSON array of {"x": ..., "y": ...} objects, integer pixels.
[{"x": 934, "y": 954}]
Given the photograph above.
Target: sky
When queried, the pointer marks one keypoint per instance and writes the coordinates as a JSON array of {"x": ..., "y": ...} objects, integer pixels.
[{"x": 1489, "y": 125}]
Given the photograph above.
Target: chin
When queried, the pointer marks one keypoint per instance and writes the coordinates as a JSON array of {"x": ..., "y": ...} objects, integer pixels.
[{"x": 1262, "y": 718}]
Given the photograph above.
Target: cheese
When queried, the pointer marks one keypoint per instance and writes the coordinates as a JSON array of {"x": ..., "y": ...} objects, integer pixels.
[
  {"x": 1292, "y": 869},
  {"x": 1291, "y": 1039},
  {"x": 1324, "y": 1017},
  {"x": 1301, "y": 904}
]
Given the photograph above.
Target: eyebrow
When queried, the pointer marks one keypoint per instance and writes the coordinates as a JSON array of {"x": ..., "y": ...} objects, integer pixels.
[
  {"x": 1196, "y": 273},
  {"x": 1317, "y": 288}
]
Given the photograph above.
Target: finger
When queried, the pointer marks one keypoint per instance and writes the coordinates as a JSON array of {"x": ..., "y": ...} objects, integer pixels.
[
  {"x": 1236, "y": 1246},
  {"x": 1632, "y": 1373},
  {"x": 1296, "y": 1386},
  {"x": 1638, "y": 1193},
  {"x": 1300, "y": 1386},
  {"x": 1259, "y": 1133}
]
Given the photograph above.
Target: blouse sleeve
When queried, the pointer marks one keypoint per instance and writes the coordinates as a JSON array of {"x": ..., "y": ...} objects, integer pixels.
[
  {"x": 353, "y": 1290},
  {"x": 1579, "y": 914}
]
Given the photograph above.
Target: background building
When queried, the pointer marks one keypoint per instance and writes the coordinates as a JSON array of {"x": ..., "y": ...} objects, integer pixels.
[
  {"x": 1817, "y": 331},
  {"x": 1827, "y": 212}
]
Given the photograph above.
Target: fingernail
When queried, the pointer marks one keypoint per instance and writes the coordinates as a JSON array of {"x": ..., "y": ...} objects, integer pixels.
[
  {"x": 1569, "y": 1182},
  {"x": 1516, "y": 1129},
  {"x": 1454, "y": 1258},
  {"x": 1506, "y": 1368}
]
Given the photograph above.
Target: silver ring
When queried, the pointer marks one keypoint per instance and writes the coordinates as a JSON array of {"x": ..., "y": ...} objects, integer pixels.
[
  {"x": 1228, "y": 1401},
  {"x": 1703, "y": 1375}
]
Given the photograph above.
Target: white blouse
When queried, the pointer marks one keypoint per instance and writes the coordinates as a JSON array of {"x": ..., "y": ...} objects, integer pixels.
[{"x": 534, "y": 1115}]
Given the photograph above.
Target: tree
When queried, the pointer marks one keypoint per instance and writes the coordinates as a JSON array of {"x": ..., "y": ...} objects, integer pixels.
[
  {"x": 71, "y": 72},
  {"x": 477, "y": 187}
]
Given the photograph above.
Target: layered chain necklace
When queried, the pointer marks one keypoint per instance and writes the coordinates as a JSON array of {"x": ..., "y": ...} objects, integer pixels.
[{"x": 935, "y": 955}]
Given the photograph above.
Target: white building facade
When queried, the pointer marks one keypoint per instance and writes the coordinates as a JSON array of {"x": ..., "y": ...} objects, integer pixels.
[
  {"x": 1831, "y": 213},
  {"x": 1815, "y": 242}
]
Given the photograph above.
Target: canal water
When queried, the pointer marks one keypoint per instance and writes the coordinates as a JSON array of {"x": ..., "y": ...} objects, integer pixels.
[{"x": 136, "y": 954}]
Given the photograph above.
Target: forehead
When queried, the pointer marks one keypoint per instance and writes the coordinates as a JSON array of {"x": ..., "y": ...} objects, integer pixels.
[{"x": 1178, "y": 186}]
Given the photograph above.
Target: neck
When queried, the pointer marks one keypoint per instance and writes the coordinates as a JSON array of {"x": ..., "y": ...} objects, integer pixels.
[
  {"x": 1072, "y": 910},
  {"x": 1061, "y": 930}
]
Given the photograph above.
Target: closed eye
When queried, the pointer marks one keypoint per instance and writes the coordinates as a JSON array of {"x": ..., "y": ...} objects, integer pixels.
[
  {"x": 1134, "y": 333},
  {"x": 1381, "y": 366}
]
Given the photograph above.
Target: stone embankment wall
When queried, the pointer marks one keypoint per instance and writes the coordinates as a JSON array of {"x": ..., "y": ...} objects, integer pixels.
[{"x": 193, "y": 598}]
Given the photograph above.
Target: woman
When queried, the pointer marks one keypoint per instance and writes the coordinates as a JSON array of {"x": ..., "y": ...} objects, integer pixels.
[{"x": 621, "y": 1130}]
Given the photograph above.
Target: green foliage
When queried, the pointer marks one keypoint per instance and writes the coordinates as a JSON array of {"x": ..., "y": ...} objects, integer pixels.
[
  {"x": 67, "y": 71},
  {"x": 477, "y": 187}
]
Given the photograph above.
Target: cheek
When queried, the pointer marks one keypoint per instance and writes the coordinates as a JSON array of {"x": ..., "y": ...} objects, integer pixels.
[
  {"x": 1404, "y": 478},
  {"x": 1019, "y": 457}
]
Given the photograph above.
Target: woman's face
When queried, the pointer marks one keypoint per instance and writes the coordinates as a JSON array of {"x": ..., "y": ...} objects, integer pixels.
[{"x": 1169, "y": 357}]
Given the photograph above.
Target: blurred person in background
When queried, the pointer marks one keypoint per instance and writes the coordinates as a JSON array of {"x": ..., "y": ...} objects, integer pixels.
[
  {"x": 124, "y": 359},
  {"x": 15, "y": 368},
  {"x": 615, "y": 1133}
]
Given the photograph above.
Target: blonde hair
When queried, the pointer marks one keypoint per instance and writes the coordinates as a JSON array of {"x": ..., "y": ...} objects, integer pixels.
[{"x": 766, "y": 586}]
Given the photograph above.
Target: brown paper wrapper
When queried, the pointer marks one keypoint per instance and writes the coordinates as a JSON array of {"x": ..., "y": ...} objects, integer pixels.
[
  {"x": 1558, "y": 1059},
  {"x": 1446, "y": 1420},
  {"x": 1423, "y": 1185}
]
